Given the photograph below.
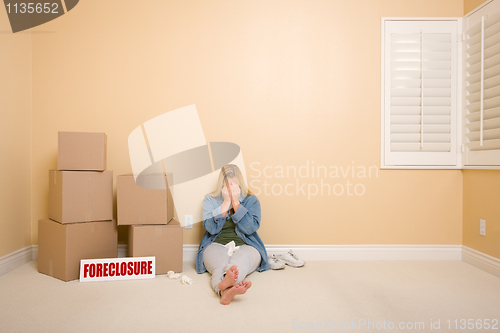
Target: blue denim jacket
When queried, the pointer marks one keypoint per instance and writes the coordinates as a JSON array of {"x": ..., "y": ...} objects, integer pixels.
[{"x": 247, "y": 220}]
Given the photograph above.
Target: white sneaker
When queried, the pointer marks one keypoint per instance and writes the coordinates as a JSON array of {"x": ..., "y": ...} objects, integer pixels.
[
  {"x": 291, "y": 259},
  {"x": 276, "y": 263}
]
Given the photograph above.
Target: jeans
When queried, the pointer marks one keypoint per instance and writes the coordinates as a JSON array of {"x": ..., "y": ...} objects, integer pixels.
[{"x": 217, "y": 262}]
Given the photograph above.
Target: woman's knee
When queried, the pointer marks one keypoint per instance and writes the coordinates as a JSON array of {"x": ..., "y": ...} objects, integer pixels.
[
  {"x": 245, "y": 266},
  {"x": 252, "y": 256},
  {"x": 214, "y": 256}
]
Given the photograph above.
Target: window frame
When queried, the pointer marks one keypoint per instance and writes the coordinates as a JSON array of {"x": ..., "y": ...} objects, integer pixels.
[
  {"x": 459, "y": 111},
  {"x": 463, "y": 97}
]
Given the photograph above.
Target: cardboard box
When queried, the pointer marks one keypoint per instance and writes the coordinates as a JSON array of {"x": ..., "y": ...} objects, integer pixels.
[
  {"x": 81, "y": 151},
  {"x": 80, "y": 196},
  {"x": 162, "y": 241},
  {"x": 62, "y": 246},
  {"x": 137, "y": 205}
]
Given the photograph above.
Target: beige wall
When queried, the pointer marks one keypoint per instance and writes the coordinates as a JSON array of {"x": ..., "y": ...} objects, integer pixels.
[
  {"x": 481, "y": 195},
  {"x": 15, "y": 139},
  {"x": 469, "y": 5},
  {"x": 279, "y": 71},
  {"x": 289, "y": 81}
]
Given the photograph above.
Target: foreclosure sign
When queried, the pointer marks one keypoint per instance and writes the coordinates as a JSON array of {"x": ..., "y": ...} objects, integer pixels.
[{"x": 117, "y": 269}]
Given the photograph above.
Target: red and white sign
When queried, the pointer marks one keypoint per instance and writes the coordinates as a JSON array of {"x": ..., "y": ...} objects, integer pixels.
[{"x": 117, "y": 269}]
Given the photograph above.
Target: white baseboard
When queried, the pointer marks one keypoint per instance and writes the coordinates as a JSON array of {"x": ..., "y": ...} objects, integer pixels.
[
  {"x": 370, "y": 252},
  {"x": 482, "y": 261},
  {"x": 358, "y": 252},
  {"x": 319, "y": 252},
  {"x": 15, "y": 259}
]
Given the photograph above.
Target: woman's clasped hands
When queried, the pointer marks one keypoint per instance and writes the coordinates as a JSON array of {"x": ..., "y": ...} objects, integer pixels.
[{"x": 231, "y": 193}]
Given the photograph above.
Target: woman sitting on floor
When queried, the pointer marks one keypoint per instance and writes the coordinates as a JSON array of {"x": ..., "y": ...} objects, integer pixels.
[{"x": 231, "y": 248}]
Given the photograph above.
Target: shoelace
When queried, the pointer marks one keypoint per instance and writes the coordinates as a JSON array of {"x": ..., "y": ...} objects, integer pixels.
[{"x": 274, "y": 259}]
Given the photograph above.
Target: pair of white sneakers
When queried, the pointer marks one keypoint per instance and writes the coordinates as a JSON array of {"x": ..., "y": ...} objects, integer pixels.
[{"x": 281, "y": 260}]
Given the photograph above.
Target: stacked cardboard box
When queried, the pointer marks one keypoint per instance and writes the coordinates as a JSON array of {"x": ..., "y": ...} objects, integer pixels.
[
  {"x": 80, "y": 224},
  {"x": 149, "y": 214}
]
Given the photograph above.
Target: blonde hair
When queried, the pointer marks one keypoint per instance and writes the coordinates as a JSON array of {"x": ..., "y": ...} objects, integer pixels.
[{"x": 227, "y": 172}]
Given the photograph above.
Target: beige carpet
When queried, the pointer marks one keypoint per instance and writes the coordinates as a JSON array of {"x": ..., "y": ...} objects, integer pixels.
[{"x": 291, "y": 300}]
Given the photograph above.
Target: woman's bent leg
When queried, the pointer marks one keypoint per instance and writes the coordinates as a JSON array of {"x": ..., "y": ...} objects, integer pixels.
[
  {"x": 215, "y": 259},
  {"x": 247, "y": 258}
]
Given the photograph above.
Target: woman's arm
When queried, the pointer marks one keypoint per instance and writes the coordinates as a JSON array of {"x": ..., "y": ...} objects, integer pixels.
[
  {"x": 247, "y": 218},
  {"x": 234, "y": 195},
  {"x": 213, "y": 220},
  {"x": 227, "y": 201}
]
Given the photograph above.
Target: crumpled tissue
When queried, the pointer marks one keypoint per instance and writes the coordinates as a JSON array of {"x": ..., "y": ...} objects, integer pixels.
[
  {"x": 186, "y": 280},
  {"x": 173, "y": 275},
  {"x": 231, "y": 247}
]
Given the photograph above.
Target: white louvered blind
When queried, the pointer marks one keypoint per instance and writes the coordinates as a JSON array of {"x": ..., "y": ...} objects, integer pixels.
[
  {"x": 420, "y": 99},
  {"x": 482, "y": 87}
]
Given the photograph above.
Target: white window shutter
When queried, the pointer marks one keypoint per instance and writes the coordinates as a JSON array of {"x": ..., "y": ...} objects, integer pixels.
[
  {"x": 482, "y": 87},
  {"x": 420, "y": 93}
]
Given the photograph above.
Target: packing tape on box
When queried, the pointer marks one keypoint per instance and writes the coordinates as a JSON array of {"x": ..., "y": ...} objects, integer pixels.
[
  {"x": 158, "y": 230},
  {"x": 174, "y": 143}
]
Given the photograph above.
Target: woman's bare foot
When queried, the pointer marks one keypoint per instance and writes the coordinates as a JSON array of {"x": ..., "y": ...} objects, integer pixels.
[
  {"x": 239, "y": 289},
  {"x": 230, "y": 278}
]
